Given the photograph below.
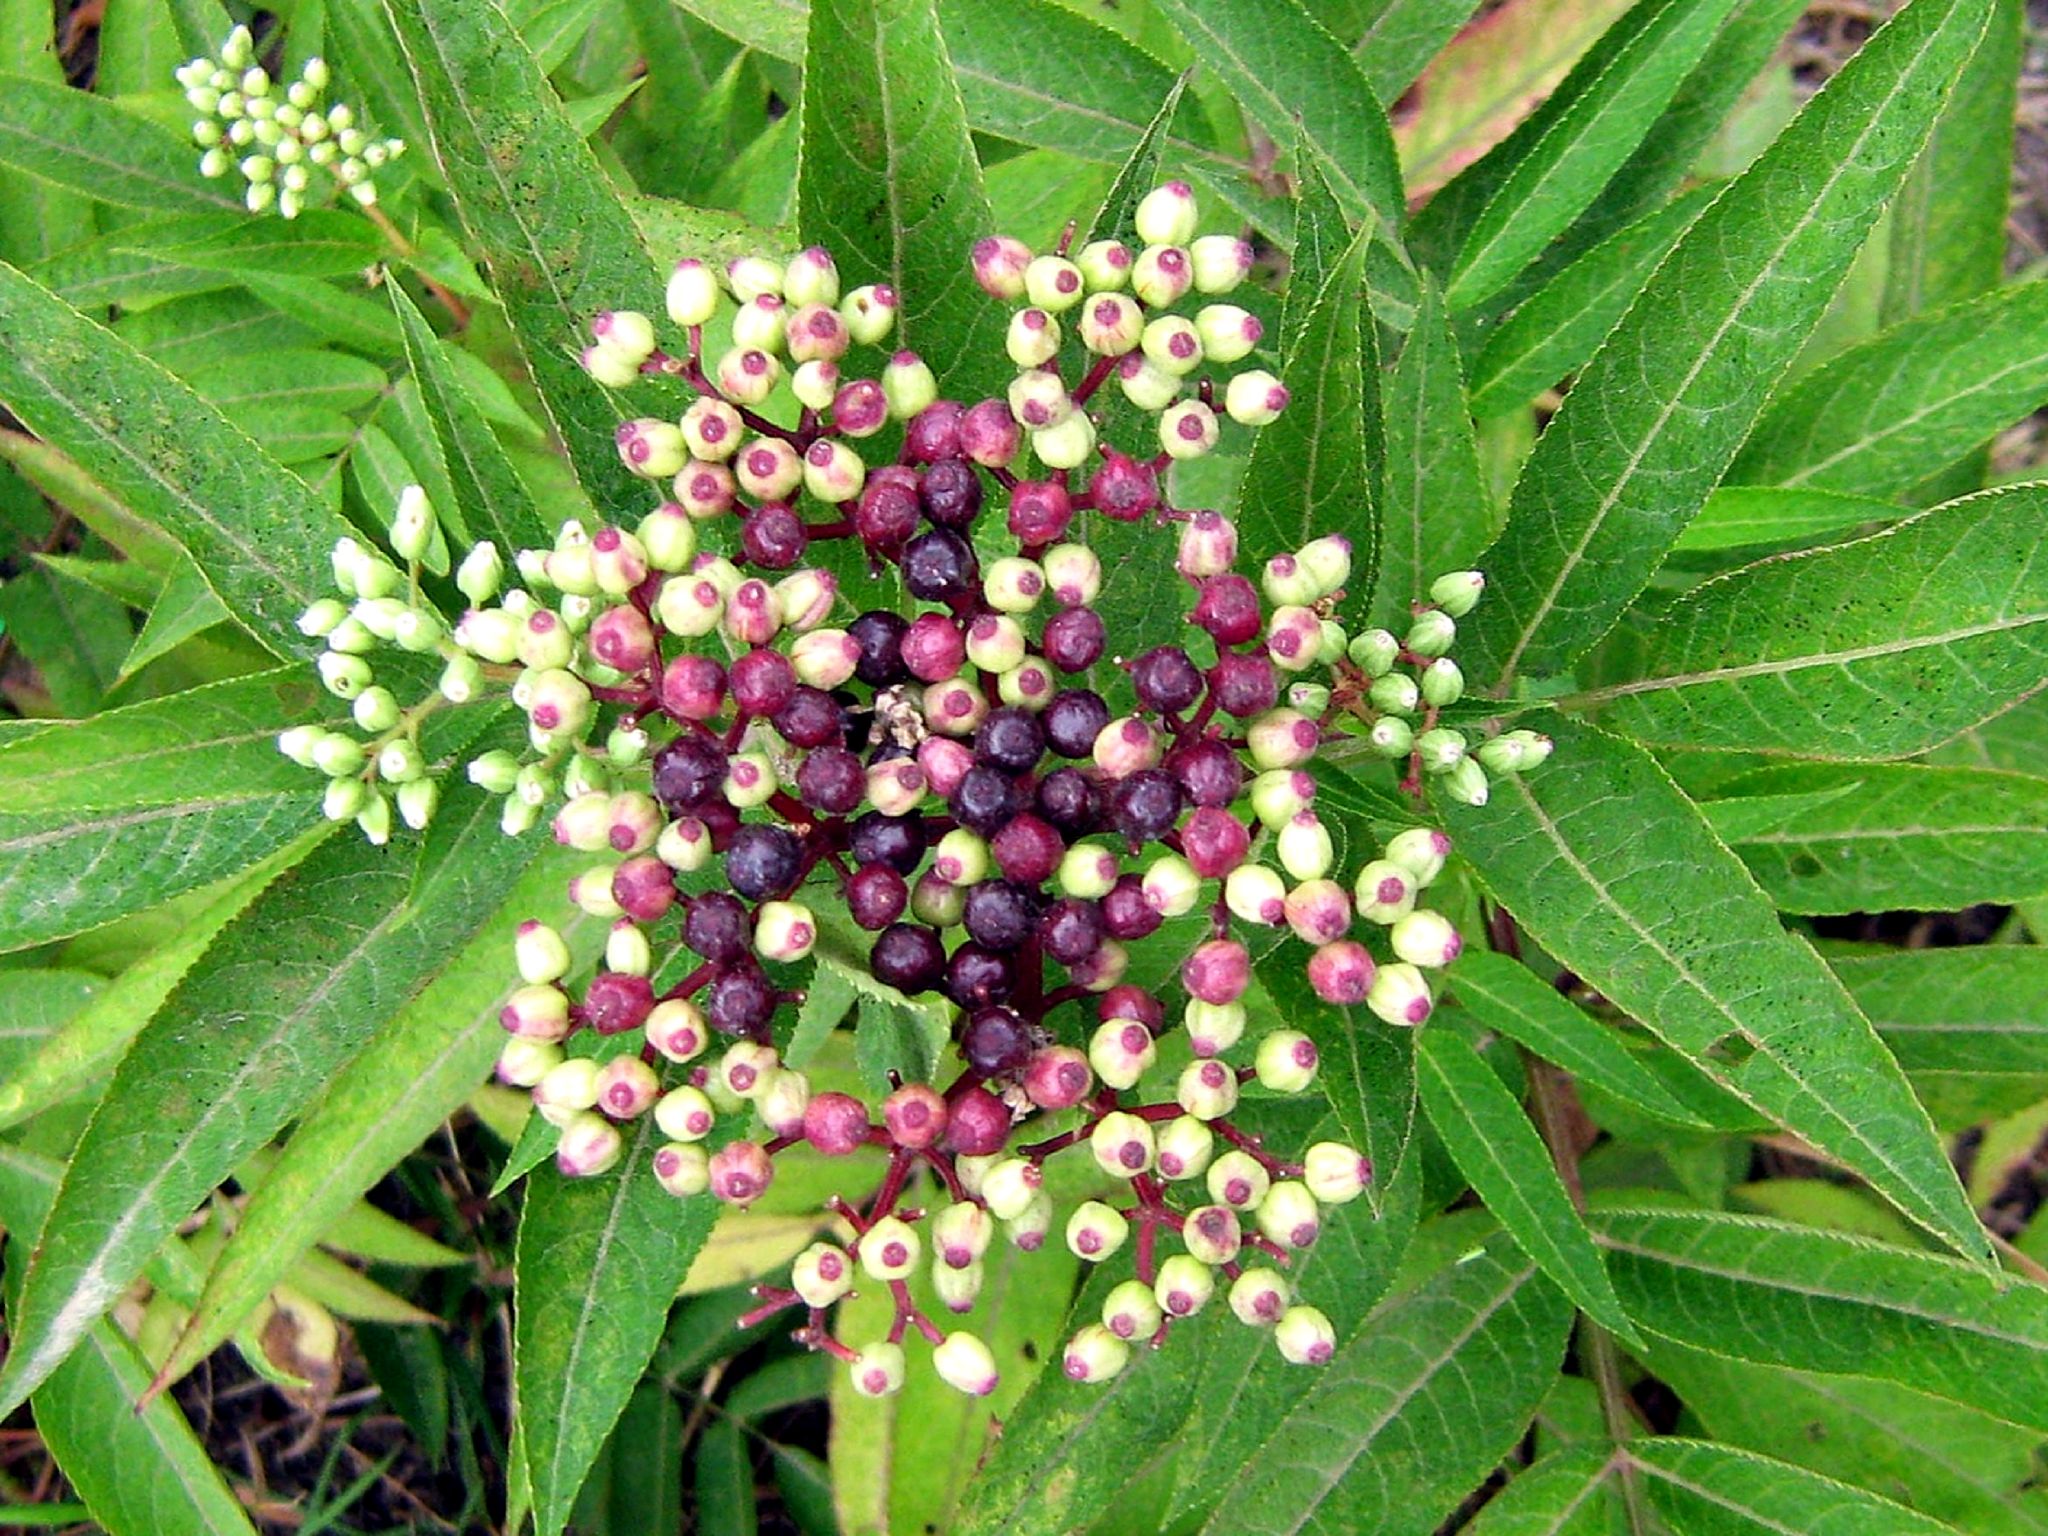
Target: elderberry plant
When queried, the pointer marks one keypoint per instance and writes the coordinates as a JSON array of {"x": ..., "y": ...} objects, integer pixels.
[
  {"x": 941, "y": 772},
  {"x": 998, "y": 718}
]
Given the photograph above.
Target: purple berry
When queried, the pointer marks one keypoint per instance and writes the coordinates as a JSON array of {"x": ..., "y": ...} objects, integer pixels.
[
  {"x": 762, "y": 681},
  {"x": 876, "y": 896},
  {"x": 951, "y": 492},
  {"x": 1229, "y": 609},
  {"x": 1074, "y": 638},
  {"x": 1000, "y": 914},
  {"x": 897, "y": 841},
  {"x": 1010, "y": 739},
  {"x": 614, "y": 1003},
  {"x": 1144, "y": 806},
  {"x": 996, "y": 1042},
  {"x": 1126, "y": 914},
  {"x": 886, "y": 513},
  {"x": 741, "y": 1002},
  {"x": 1071, "y": 930},
  {"x": 985, "y": 800},
  {"x": 933, "y": 648},
  {"x": 1166, "y": 680},
  {"x": 836, "y": 1123},
  {"x": 940, "y": 565},
  {"x": 1028, "y": 850},
  {"x": 810, "y": 717},
  {"x": 934, "y": 432},
  {"x": 1073, "y": 720},
  {"x": 908, "y": 957},
  {"x": 1209, "y": 771},
  {"x": 977, "y": 975},
  {"x": 718, "y": 927},
  {"x": 978, "y": 1123},
  {"x": 832, "y": 780},
  {"x": 1040, "y": 512},
  {"x": 1244, "y": 685},
  {"x": 774, "y": 537},
  {"x": 763, "y": 861},
  {"x": 1123, "y": 488},
  {"x": 688, "y": 772},
  {"x": 692, "y": 686},
  {"x": 1070, "y": 802},
  {"x": 879, "y": 634}
]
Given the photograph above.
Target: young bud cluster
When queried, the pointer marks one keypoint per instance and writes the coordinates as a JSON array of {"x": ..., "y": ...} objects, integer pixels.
[
  {"x": 979, "y": 785},
  {"x": 275, "y": 139}
]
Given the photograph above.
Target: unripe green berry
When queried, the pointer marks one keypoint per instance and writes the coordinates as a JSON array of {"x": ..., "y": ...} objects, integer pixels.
[
  {"x": 1286, "y": 1061},
  {"x": 1213, "y": 1028},
  {"x": 1334, "y": 1173},
  {"x": 1391, "y": 737},
  {"x": 1212, "y": 1234},
  {"x": 878, "y": 1370},
  {"x": 1007, "y": 1188},
  {"x": 1305, "y": 1336},
  {"x": 1304, "y": 847},
  {"x": 1432, "y": 633},
  {"x": 1458, "y": 592},
  {"x": 1094, "y": 1355},
  {"x": 1096, "y": 1231},
  {"x": 889, "y": 1250},
  {"x": 965, "y": 1364},
  {"x": 1131, "y": 1311},
  {"x": 1207, "y": 1090},
  {"x": 344, "y": 798},
  {"x": 1238, "y": 1180},
  {"x": 1184, "y": 1286},
  {"x": 1441, "y": 749},
  {"x": 958, "y": 1289},
  {"x": 400, "y": 762},
  {"x": 1466, "y": 783},
  {"x": 1123, "y": 1144},
  {"x": 1258, "y": 1297},
  {"x": 1185, "y": 1148},
  {"x": 523, "y": 1063}
]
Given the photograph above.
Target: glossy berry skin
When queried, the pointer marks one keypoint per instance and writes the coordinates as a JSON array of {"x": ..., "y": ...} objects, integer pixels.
[
  {"x": 976, "y": 975},
  {"x": 1040, "y": 513},
  {"x": 687, "y": 772},
  {"x": 1073, "y": 720},
  {"x": 741, "y": 1002},
  {"x": 832, "y": 780},
  {"x": 1071, "y": 930},
  {"x": 897, "y": 841},
  {"x": 1210, "y": 773},
  {"x": 1074, "y": 639},
  {"x": 887, "y": 512},
  {"x": 876, "y": 896},
  {"x": 1000, "y": 914},
  {"x": 1144, "y": 806},
  {"x": 1126, "y": 914},
  {"x": 939, "y": 565},
  {"x": 613, "y": 1003},
  {"x": 718, "y": 927},
  {"x": 810, "y": 717},
  {"x": 763, "y": 861},
  {"x": 1027, "y": 850},
  {"x": 1229, "y": 609},
  {"x": 934, "y": 432},
  {"x": 933, "y": 648},
  {"x": 1010, "y": 739},
  {"x": 879, "y": 635},
  {"x": 762, "y": 681},
  {"x": 1166, "y": 679},
  {"x": 985, "y": 800},
  {"x": 951, "y": 493},
  {"x": 1069, "y": 801},
  {"x": 774, "y": 536},
  {"x": 908, "y": 957},
  {"x": 978, "y": 1123},
  {"x": 996, "y": 1042},
  {"x": 1244, "y": 686}
]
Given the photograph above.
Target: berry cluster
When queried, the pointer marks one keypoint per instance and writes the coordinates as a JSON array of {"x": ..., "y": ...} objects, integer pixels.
[
  {"x": 977, "y": 778},
  {"x": 275, "y": 145}
]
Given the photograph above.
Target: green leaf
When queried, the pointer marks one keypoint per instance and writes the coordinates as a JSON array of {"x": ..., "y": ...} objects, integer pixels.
[
  {"x": 1883, "y": 647},
  {"x": 776, "y": 27},
  {"x": 301, "y": 376},
  {"x": 73, "y": 633},
  {"x": 322, "y": 242},
  {"x": 1367, "y": 1067},
  {"x": 95, "y": 147},
  {"x": 1554, "y": 331},
  {"x": 1958, "y": 1017},
  {"x": 1435, "y": 514},
  {"x": 1295, "y": 80},
  {"x": 260, "y": 536},
  {"x": 1139, "y": 172},
  {"x": 1702, "y": 1487},
  {"x": 1819, "y": 1301},
  {"x": 186, "y": 607},
  {"x": 1740, "y": 515},
  {"x": 1615, "y": 873},
  {"x": 1948, "y": 223},
  {"x": 1908, "y": 836},
  {"x": 599, "y": 1261},
  {"x": 35, "y": 1007},
  {"x": 1412, "y": 1412},
  {"x": 316, "y": 963},
  {"x": 1663, "y": 406},
  {"x": 1570, "y": 156},
  {"x": 1879, "y": 418},
  {"x": 416, "y": 1072},
  {"x": 213, "y": 329},
  {"x": 491, "y": 501},
  {"x": 1506, "y": 997},
  {"x": 1497, "y": 1149},
  {"x": 1310, "y": 470},
  {"x": 1567, "y": 1493},
  {"x": 140, "y": 1469},
  {"x": 888, "y": 179},
  {"x": 1404, "y": 36},
  {"x": 77, "y": 1059},
  {"x": 532, "y": 195},
  {"x": 1948, "y": 1461}
]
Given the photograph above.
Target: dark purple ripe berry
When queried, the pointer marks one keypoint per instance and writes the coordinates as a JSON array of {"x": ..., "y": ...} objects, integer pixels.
[
  {"x": 1166, "y": 680},
  {"x": 951, "y": 490},
  {"x": 1070, "y": 802},
  {"x": 832, "y": 780},
  {"x": 1126, "y": 914},
  {"x": 934, "y": 432},
  {"x": 977, "y": 975},
  {"x": 688, "y": 772},
  {"x": 1228, "y": 609},
  {"x": 897, "y": 841},
  {"x": 810, "y": 717},
  {"x": 1040, "y": 512},
  {"x": 741, "y": 1002},
  {"x": 1124, "y": 489},
  {"x": 774, "y": 537},
  {"x": 1209, "y": 771},
  {"x": 1144, "y": 807},
  {"x": 978, "y": 1125},
  {"x": 1010, "y": 739},
  {"x": 718, "y": 927},
  {"x": 614, "y": 1003},
  {"x": 1073, "y": 720},
  {"x": 996, "y": 1042},
  {"x": 763, "y": 861},
  {"x": 762, "y": 681},
  {"x": 1028, "y": 850},
  {"x": 933, "y": 648},
  {"x": 1244, "y": 685},
  {"x": 876, "y": 896},
  {"x": 1071, "y": 930},
  {"x": 1074, "y": 638},
  {"x": 939, "y": 565},
  {"x": 886, "y": 513},
  {"x": 985, "y": 800},
  {"x": 908, "y": 957},
  {"x": 879, "y": 634},
  {"x": 1000, "y": 915}
]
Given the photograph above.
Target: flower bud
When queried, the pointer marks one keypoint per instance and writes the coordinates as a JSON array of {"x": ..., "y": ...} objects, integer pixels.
[
  {"x": 1111, "y": 325},
  {"x": 1207, "y": 1090},
  {"x": 1121, "y": 1051},
  {"x": 1305, "y": 1337},
  {"x": 1167, "y": 214},
  {"x": 1122, "y": 1143},
  {"x": 1007, "y": 1188},
  {"x": 1027, "y": 1232},
  {"x": 684, "y": 1114},
  {"x": 965, "y": 1364},
  {"x": 1171, "y": 343},
  {"x": 1238, "y": 1180},
  {"x": 1457, "y": 592},
  {"x": 889, "y": 1249},
  {"x": 1000, "y": 263},
  {"x": 1033, "y": 338},
  {"x": 1466, "y": 783},
  {"x": 1184, "y": 1286},
  {"x": 1188, "y": 430},
  {"x": 908, "y": 384},
  {"x": 1256, "y": 894},
  {"x": 878, "y": 1370},
  {"x": 1096, "y": 1231},
  {"x": 626, "y": 1087},
  {"x": 1131, "y": 1311},
  {"x": 1304, "y": 847},
  {"x": 1254, "y": 398},
  {"x": 958, "y": 1289},
  {"x": 1144, "y": 383},
  {"x": 822, "y": 1274},
  {"x": 590, "y": 1144},
  {"x": 961, "y": 1233},
  {"x": 692, "y": 294},
  {"x": 1421, "y": 851},
  {"x": 1053, "y": 283},
  {"x": 1512, "y": 751},
  {"x": 1094, "y": 1355},
  {"x": 1212, "y": 1234},
  {"x": 1432, "y": 633},
  {"x": 1286, "y": 1061}
]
